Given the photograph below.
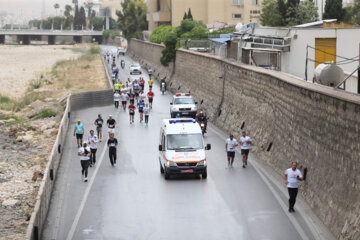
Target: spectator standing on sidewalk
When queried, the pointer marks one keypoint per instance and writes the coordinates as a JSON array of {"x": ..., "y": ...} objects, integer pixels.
[{"x": 292, "y": 176}]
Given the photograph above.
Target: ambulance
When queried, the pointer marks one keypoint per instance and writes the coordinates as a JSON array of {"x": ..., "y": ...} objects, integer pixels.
[{"x": 182, "y": 148}]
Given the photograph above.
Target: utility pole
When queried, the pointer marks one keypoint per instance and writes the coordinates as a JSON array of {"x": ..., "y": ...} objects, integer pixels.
[{"x": 358, "y": 73}]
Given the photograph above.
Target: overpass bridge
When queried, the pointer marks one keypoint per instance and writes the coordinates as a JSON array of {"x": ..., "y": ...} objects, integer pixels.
[{"x": 24, "y": 36}]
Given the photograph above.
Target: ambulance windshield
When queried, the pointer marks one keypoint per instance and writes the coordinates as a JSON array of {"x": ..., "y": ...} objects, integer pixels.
[{"x": 184, "y": 141}]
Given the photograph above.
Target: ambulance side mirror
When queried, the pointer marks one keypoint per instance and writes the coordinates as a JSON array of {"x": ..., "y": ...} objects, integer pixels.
[
  {"x": 196, "y": 102},
  {"x": 208, "y": 146},
  {"x": 171, "y": 103},
  {"x": 160, "y": 147}
]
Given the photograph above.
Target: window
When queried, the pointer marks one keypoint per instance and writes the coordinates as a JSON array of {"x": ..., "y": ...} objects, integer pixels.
[
  {"x": 184, "y": 141},
  {"x": 236, "y": 15},
  {"x": 255, "y": 2},
  {"x": 158, "y": 7},
  {"x": 254, "y": 11},
  {"x": 237, "y": 2},
  {"x": 183, "y": 101}
]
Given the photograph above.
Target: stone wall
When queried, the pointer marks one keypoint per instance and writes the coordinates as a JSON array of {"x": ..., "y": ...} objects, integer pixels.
[{"x": 317, "y": 126}]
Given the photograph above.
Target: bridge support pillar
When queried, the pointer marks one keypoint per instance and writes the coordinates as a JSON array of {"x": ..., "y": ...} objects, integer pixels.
[
  {"x": 2, "y": 39},
  {"x": 77, "y": 39},
  {"x": 19, "y": 39},
  {"x": 26, "y": 40},
  {"x": 51, "y": 40}
]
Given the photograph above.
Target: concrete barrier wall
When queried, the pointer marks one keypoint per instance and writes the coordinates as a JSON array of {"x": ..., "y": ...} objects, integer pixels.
[{"x": 317, "y": 126}]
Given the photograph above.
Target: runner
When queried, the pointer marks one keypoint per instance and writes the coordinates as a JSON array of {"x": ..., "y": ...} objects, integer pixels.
[
  {"x": 98, "y": 123},
  {"x": 136, "y": 90},
  {"x": 141, "y": 106},
  {"x": 132, "y": 96},
  {"x": 111, "y": 123},
  {"x": 92, "y": 139},
  {"x": 230, "y": 145},
  {"x": 84, "y": 153},
  {"x": 142, "y": 84},
  {"x": 132, "y": 111},
  {"x": 245, "y": 142},
  {"x": 147, "y": 112},
  {"x": 124, "y": 98},
  {"x": 79, "y": 131},
  {"x": 151, "y": 82},
  {"x": 150, "y": 95},
  {"x": 117, "y": 86},
  {"x": 142, "y": 96},
  {"x": 116, "y": 99},
  {"x": 112, "y": 145},
  {"x": 292, "y": 176}
]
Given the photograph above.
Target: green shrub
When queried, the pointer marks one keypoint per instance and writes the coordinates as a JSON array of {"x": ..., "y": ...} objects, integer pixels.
[
  {"x": 47, "y": 113},
  {"x": 159, "y": 34}
]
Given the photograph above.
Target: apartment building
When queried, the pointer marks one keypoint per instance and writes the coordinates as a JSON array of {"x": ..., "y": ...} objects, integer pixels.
[{"x": 171, "y": 12}]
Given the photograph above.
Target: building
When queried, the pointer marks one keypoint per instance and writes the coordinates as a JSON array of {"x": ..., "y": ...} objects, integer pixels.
[
  {"x": 171, "y": 12},
  {"x": 115, "y": 5},
  {"x": 299, "y": 50}
]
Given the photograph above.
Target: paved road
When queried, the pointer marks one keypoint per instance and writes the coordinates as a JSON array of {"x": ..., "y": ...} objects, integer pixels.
[{"x": 133, "y": 201}]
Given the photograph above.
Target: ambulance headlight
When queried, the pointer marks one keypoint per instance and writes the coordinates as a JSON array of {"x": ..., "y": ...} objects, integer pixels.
[
  {"x": 202, "y": 163},
  {"x": 171, "y": 164}
]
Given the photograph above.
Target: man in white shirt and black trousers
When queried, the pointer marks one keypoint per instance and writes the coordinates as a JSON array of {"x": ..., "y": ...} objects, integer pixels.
[
  {"x": 92, "y": 139},
  {"x": 84, "y": 153},
  {"x": 292, "y": 176},
  {"x": 230, "y": 145}
]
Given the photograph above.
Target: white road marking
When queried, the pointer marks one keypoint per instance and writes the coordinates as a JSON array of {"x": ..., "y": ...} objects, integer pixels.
[{"x": 85, "y": 197}]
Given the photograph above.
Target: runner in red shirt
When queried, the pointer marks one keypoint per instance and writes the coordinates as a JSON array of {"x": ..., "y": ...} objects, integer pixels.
[
  {"x": 150, "y": 97},
  {"x": 132, "y": 112},
  {"x": 142, "y": 83}
]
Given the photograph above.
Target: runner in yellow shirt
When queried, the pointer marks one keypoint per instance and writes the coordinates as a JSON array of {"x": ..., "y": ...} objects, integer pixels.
[{"x": 151, "y": 82}]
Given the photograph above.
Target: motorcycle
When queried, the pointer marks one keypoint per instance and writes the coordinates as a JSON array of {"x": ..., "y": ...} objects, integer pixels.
[
  {"x": 202, "y": 126},
  {"x": 163, "y": 88}
]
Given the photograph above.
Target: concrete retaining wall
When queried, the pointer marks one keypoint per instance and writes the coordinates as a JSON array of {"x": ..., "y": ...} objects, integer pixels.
[{"x": 317, "y": 126}]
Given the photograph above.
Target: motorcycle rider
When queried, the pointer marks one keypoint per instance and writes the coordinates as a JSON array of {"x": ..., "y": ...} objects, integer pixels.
[
  {"x": 201, "y": 117},
  {"x": 161, "y": 83}
]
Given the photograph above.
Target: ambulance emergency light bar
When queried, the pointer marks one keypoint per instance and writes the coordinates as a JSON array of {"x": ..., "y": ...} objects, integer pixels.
[
  {"x": 181, "y": 120},
  {"x": 182, "y": 94}
]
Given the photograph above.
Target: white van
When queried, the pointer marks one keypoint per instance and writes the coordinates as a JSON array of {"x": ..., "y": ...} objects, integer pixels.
[{"x": 182, "y": 148}]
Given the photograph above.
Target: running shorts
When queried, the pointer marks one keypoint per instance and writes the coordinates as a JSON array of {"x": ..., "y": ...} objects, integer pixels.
[
  {"x": 124, "y": 102},
  {"x": 111, "y": 130},
  {"x": 99, "y": 129},
  {"x": 141, "y": 111},
  {"x": 231, "y": 154},
  {"x": 150, "y": 100},
  {"x": 79, "y": 136},
  {"x": 245, "y": 151}
]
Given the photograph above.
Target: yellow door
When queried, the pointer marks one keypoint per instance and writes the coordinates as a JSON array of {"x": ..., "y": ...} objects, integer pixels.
[{"x": 325, "y": 50}]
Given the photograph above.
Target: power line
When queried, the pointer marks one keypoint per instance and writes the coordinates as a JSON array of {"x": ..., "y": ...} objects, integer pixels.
[{"x": 331, "y": 53}]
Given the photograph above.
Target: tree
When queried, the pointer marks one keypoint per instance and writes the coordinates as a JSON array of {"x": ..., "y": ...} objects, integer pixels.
[
  {"x": 93, "y": 14},
  {"x": 82, "y": 18},
  {"x": 185, "y": 16},
  {"x": 159, "y": 34},
  {"x": 132, "y": 18},
  {"x": 97, "y": 23},
  {"x": 89, "y": 6},
  {"x": 282, "y": 10},
  {"x": 353, "y": 14},
  {"x": 270, "y": 14},
  {"x": 306, "y": 12},
  {"x": 76, "y": 18},
  {"x": 334, "y": 10},
  {"x": 169, "y": 51},
  {"x": 56, "y": 6},
  {"x": 189, "y": 15},
  {"x": 68, "y": 10}
]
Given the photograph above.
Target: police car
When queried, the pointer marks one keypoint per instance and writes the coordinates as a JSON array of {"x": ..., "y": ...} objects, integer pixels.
[
  {"x": 183, "y": 105},
  {"x": 135, "y": 68},
  {"x": 182, "y": 148}
]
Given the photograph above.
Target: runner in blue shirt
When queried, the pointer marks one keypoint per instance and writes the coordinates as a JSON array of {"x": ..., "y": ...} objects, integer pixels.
[
  {"x": 79, "y": 131},
  {"x": 141, "y": 106}
]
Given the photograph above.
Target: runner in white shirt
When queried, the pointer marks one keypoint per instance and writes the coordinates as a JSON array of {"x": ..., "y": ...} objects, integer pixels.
[
  {"x": 245, "y": 142},
  {"x": 84, "y": 153},
  {"x": 92, "y": 139},
  {"x": 292, "y": 176},
  {"x": 116, "y": 99},
  {"x": 124, "y": 98},
  {"x": 230, "y": 145},
  {"x": 142, "y": 96},
  {"x": 146, "y": 112}
]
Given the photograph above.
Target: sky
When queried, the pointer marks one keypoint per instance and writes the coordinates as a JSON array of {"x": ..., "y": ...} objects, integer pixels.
[{"x": 23, "y": 10}]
